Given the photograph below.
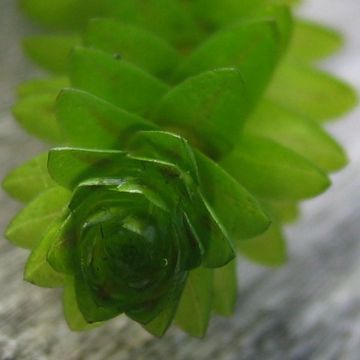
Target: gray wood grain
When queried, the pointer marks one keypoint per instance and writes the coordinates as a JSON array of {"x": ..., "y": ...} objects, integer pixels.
[{"x": 309, "y": 309}]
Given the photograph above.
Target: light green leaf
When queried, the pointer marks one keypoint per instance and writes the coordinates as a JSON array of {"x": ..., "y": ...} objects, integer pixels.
[
  {"x": 31, "y": 224},
  {"x": 284, "y": 212},
  {"x": 225, "y": 289},
  {"x": 50, "y": 85},
  {"x": 35, "y": 113},
  {"x": 106, "y": 126},
  {"x": 51, "y": 51},
  {"x": 311, "y": 92},
  {"x": 272, "y": 171},
  {"x": 238, "y": 211},
  {"x": 29, "y": 179},
  {"x": 73, "y": 316},
  {"x": 132, "y": 44},
  {"x": 37, "y": 269},
  {"x": 193, "y": 313},
  {"x": 209, "y": 109},
  {"x": 115, "y": 80},
  {"x": 251, "y": 46},
  {"x": 298, "y": 133},
  {"x": 312, "y": 42},
  {"x": 267, "y": 249}
]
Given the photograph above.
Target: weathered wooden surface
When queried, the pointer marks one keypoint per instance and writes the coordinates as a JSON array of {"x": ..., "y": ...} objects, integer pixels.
[{"x": 309, "y": 309}]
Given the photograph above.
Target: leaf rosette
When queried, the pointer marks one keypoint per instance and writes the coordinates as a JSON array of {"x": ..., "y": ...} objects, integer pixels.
[{"x": 132, "y": 226}]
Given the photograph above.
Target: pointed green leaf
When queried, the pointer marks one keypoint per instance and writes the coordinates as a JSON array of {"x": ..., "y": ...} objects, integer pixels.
[
  {"x": 162, "y": 322},
  {"x": 38, "y": 86},
  {"x": 272, "y": 171},
  {"x": 91, "y": 311},
  {"x": 298, "y": 133},
  {"x": 268, "y": 249},
  {"x": 219, "y": 247},
  {"x": 37, "y": 269},
  {"x": 133, "y": 44},
  {"x": 209, "y": 109},
  {"x": 225, "y": 289},
  {"x": 29, "y": 179},
  {"x": 193, "y": 313},
  {"x": 237, "y": 210},
  {"x": 311, "y": 92},
  {"x": 115, "y": 80},
  {"x": 107, "y": 126},
  {"x": 283, "y": 18},
  {"x": 51, "y": 51},
  {"x": 74, "y": 318},
  {"x": 35, "y": 113},
  {"x": 31, "y": 224},
  {"x": 312, "y": 42},
  {"x": 166, "y": 147},
  {"x": 251, "y": 46}
]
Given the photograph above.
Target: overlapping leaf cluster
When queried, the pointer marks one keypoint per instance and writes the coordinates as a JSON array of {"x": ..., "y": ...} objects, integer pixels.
[{"x": 192, "y": 128}]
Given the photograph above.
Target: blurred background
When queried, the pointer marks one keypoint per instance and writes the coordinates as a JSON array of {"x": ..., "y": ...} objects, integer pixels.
[{"x": 309, "y": 309}]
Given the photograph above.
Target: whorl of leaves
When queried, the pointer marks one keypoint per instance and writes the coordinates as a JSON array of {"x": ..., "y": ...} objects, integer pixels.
[{"x": 191, "y": 131}]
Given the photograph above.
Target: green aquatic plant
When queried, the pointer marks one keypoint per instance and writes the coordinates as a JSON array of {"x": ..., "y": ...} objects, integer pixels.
[{"x": 184, "y": 132}]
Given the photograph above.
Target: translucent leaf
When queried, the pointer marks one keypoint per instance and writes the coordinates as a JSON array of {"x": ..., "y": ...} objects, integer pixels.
[
  {"x": 161, "y": 323},
  {"x": 251, "y": 46},
  {"x": 312, "y": 42},
  {"x": 203, "y": 222},
  {"x": 166, "y": 147},
  {"x": 68, "y": 166},
  {"x": 115, "y": 80},
  {"x": 35, "y": 113},
  {"x": 91, "y": 311},
  {"x": 74, "y": 318},
  {"x": 51, "y": 51},
  {"x": 208, "y": 109},
  {"x": 31, "y": 224},
  {"x": 225, "y": 289},
  {"x": 29, "y": 179},
  {"x": 61, "y": 253},
  {"x": 219, "y": 249},
  {"x": 193, "y": 313},
  {"x": 268, "y": 249},
  {"x": 311, "y": 92},
  {"x": 272, "y": 171},
  {"x": 37, "y": 269},
  {"x": 107, "y": 126},
  {"x": 133, "y": 44},
  {"x": 237, "y": 210},
  {"x": 50, "y": 85},
  {"x": 298, "y": 133}
]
